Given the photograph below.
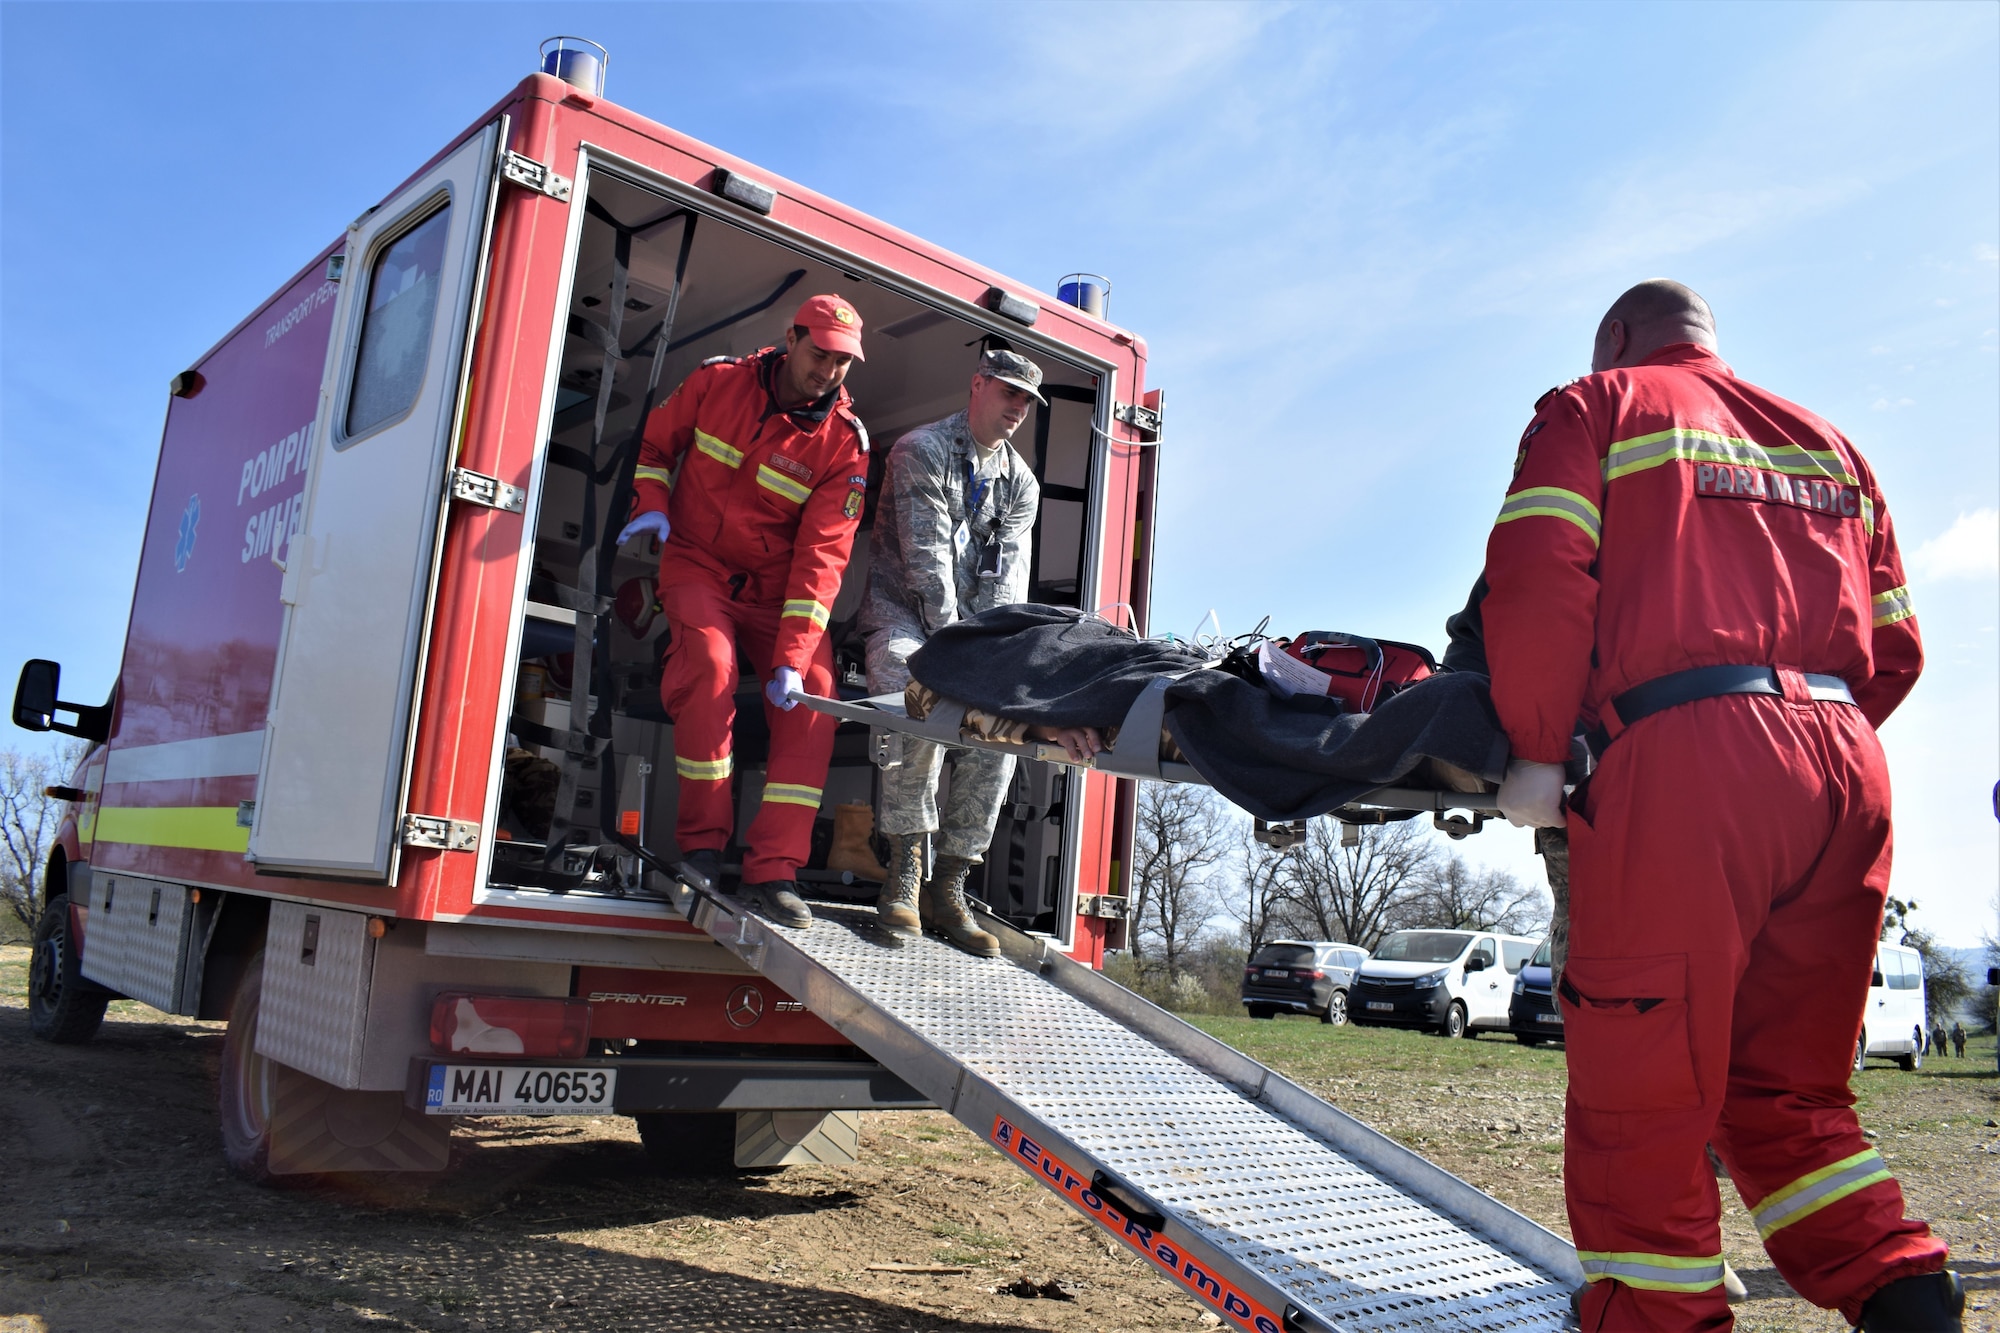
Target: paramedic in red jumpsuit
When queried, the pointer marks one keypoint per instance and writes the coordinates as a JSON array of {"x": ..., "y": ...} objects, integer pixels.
[
  {"x": 1708, "y": 575},
  {"x": 753, "y": 475}
]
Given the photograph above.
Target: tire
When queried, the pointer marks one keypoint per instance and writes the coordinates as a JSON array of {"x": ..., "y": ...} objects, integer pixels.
[
  {"x": 690, "y": 1145},
  {"x": 1455, "y": 1022},
  {"x": 247, "y": 1095},
  {"x": 63, "y": 1007},
  {"x": 1914, "y": 1061},
  {"x": 1262, "y": 1011},
  {"x": 1335, "y": 1014},
  {"x": 1861, "y": 1052},
  {"x": 1527, "y": 1039}
]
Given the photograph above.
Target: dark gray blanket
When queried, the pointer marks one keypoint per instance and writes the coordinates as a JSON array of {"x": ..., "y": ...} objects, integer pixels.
[{"x": 1279, "y": 759}]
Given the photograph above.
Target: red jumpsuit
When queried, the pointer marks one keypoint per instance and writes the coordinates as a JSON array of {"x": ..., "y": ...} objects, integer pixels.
[
  {"x": 1729, "y": 857},
  {"x": 762, "y": 505}
]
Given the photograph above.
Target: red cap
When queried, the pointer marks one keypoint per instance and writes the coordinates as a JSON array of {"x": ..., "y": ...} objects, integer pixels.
[{"x": 834, "y": 325}]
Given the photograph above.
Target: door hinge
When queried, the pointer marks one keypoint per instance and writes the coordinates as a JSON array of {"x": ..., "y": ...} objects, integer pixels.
[
  {"x": 1104, "y": 904},
  {"x": 480, "y": 489},
  {"x": 527, "y": 172},
  {"x": 440, "y": 834},
  {"x": 1147, "y": 421}
]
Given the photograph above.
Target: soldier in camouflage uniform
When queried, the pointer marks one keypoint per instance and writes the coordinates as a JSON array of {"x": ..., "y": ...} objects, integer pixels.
[{"x": 951, "y": 539}]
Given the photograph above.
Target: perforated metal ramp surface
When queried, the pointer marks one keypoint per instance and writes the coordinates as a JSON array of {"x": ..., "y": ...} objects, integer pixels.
[{"x": 1249, "y": 1171}]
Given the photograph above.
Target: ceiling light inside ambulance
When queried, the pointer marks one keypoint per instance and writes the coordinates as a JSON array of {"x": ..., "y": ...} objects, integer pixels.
[
  {"x": 538, "y": 1026},
  {"x": 577, "y": 61}
]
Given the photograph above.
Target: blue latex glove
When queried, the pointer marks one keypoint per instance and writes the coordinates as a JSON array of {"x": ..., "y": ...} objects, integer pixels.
[
  {"x": 652, "y": 521},
  {"x": 783, "y": 681}
]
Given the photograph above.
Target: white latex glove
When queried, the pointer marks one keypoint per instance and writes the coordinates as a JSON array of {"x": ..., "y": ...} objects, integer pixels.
[
  {"x": 652, "y": 521},
  {"x": 1532, "y": 795},
  {"x": 783, "y": 681}
]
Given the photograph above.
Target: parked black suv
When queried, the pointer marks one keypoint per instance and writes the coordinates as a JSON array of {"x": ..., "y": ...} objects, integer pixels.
[
  {"x": 1302, "y": 977},
  {"x": 1532, "y": 1015}
]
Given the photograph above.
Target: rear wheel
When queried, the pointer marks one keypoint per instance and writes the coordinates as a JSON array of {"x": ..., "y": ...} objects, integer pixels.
[
  {"x": 690, "y": 1144},
  {"x": 1861, "y": 1052},
  {"x": 63, "y": 1007},
  {"x": 248, "y": 1095},
  {"x": 1454, "y": 1021},
  {"x": 1336, "y": 1009},
  {"x": 1914, "y": 1061}
]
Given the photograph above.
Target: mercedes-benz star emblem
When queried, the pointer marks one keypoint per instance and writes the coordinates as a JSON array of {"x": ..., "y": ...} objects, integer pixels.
[{"x": 744, "y": 1006}]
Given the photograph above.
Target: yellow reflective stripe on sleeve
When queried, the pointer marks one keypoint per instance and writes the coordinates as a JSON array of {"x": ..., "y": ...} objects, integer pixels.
[
  {"x": 1868, "y": 515},
  {"x": 705, "y": 770},
  {"x": 772, "y": 480},
  {"x": 659, "y": 474},
  {"x": 792, "y": 793},
  {"x": 1553, "y": 502},
  {"x": 1653, "y": 1272},
  {"x": 1701, "y": 446},
  {"x": 201, "y": 828},
  {"x": 1815, "y": 1190},
  {"x": 812, "y": 611},
  {"x": 1892, "y": 606},
  {"x": 716, "y": 449}
]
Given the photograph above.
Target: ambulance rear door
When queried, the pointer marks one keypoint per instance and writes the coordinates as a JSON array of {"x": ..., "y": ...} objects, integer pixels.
[{"x": 360, "y": 570}]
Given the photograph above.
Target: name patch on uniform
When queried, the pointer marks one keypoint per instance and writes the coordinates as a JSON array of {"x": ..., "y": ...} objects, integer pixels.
[
  {"x": 791, "y": 465},
  {"x": 1819, "y": 494}
]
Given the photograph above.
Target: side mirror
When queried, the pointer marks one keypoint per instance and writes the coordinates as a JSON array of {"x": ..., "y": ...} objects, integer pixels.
[
  {"x": 35, "y": 696},
  {"x": 36, "y": 704},
  {"x": 1993, "y": 976},
  {"x": 1875, "y": 979},
  {"x": 1475, "y": 964}
]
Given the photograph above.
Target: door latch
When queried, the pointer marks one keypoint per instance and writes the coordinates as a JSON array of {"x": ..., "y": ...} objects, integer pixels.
[
  {"x": 480, "y": 489},
  {"x": 530, "y": 174},
  {"x": 440, "y": 834}
]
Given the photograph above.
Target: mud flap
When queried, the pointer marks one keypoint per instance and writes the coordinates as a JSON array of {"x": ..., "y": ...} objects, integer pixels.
[
  {"x": 316, "y": 1127},
  {"x": 798, "y": 1138}
]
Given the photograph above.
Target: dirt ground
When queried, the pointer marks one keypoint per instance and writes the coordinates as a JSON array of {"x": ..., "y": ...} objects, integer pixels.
[{"x": 121, "y": 1216}]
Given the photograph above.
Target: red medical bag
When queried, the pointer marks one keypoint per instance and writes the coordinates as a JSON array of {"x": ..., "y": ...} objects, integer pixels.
[{"x": 1361, "y": 672}]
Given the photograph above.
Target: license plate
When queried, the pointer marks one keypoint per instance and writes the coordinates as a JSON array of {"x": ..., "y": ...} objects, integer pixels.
[
  {"x": 518, "y": 1090},
  {"x": 1550, "y": 1018},
  {"x": 1278, "y": 973},
  {"x": 1380, "y": 1004}
]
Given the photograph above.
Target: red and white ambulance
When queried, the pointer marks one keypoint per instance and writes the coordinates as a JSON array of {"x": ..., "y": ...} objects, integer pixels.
[{"x": 374, "y": 567}]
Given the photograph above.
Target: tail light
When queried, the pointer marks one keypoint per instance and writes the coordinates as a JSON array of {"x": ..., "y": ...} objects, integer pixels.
[
  {"x": 1317, "y": 975},
  {"x": 546, "y": 1027}
]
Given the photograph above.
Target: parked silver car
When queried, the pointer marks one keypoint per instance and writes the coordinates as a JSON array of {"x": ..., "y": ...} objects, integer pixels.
[{"x": 1302, "y": 977}]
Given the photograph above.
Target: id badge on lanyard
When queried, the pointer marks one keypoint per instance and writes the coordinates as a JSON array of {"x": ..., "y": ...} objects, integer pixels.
[{"x": 975, "y": 496}]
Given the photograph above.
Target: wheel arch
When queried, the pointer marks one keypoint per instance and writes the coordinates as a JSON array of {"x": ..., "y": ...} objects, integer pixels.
[{"x": 239, "y": 934}]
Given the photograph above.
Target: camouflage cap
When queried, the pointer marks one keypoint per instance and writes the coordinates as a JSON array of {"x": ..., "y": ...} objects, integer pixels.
[{"x": 1015, "y": 369}]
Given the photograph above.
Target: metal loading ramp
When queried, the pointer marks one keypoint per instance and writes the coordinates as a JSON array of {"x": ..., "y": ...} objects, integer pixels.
[{"x": 1272, "y": 1207}]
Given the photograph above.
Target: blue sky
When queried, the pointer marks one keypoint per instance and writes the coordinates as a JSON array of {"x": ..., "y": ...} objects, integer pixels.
[{"x": 1360, "y": 240}]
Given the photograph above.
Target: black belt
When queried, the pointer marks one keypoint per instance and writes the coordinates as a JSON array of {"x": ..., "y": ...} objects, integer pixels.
[{"x": 1683, "y": 687}]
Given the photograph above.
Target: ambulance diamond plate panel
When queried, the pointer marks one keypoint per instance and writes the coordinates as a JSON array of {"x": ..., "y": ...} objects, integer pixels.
[
  {"x": 135, "y": 937},
  {"x": 317, "y": 966},
  {"x": 1282, "y": 1202}
]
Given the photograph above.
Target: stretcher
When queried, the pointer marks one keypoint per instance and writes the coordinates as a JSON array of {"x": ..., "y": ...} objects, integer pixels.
[{"x": 1137, "y": 754}]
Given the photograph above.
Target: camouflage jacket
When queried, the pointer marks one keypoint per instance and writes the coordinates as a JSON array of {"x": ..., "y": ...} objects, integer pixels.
[{"x": 918, "y": 578}]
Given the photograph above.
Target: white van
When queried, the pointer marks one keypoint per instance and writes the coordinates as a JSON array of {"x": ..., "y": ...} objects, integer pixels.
[
  {"x": 1892, "y": 1026},
  {"x": 1454, "y": 982}
]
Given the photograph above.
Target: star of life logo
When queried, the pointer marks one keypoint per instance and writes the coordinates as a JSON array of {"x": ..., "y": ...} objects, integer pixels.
[{"x": 190, "y": 522}]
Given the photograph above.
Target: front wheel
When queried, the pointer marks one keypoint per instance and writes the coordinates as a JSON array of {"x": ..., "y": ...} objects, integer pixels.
[
  {"x": 1454, "y": 1021},
  {"x": 1336, "y": 1009},
  {"x": 63, "y": 1007}
]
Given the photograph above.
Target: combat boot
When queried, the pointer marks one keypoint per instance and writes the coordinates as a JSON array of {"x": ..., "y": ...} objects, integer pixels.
[
  {"x": 853, "y": 826},
  {"x": 944, "y": 908},
  {"x": 901, "y": 884}
]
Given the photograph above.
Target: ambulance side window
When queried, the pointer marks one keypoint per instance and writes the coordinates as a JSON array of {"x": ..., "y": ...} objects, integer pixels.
[{"x": 397, "y": 319}]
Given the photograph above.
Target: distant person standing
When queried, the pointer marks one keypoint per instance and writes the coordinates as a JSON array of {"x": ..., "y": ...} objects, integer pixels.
[
  {"x": 1958, "y": 1040},
  {"x": 1937, "y": 1040}
]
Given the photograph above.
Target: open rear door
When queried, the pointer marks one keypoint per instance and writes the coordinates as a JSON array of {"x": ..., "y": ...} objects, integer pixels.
[{"x": 358, "y": 573}]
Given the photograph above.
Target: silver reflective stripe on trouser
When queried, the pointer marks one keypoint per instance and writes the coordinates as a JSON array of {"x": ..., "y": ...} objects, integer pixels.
[
  {"x": 1653, "y": 1272},
  {"x": 1815, "y": 1190}
]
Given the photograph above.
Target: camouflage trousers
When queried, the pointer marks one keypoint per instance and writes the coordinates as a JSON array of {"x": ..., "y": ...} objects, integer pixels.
[
  {"x": 1553, "y": 844},
  {"x": 979, "y": 778}
]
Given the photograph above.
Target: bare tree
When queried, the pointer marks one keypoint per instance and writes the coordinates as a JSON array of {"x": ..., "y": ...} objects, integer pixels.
[
  {"x": 1947, "y": 983},
  {"x": 1354, "y": 893},
  {"x": 1264, "y": 871},
  {"x": 1460, "y": 896},
  {"x": 29, "y": 819},
  {"x": 1181, "y": 834}
]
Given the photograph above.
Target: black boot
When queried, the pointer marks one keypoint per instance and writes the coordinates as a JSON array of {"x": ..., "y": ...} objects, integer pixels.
[
  {"x": 701, "y": 870},
  {"x": 777, "y": 899},
  {"x": 1922, "y": 1303}
]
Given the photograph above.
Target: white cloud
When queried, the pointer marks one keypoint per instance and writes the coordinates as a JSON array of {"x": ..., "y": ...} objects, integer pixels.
[{"x": 1968, "y": 549}]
